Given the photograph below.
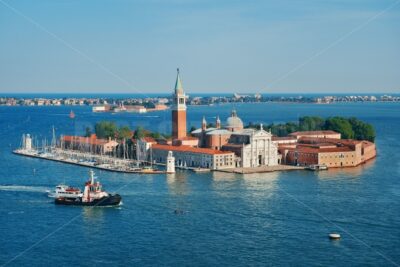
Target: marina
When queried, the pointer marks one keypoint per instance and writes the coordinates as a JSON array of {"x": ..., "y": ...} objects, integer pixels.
[
  {"x": 105, "y": 163},
  {"x": 85, "y": 159},
  {"x": 75, "y": 157}
]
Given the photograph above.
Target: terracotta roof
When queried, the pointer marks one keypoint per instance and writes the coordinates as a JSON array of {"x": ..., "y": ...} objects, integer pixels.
[
  {"x": 316, "y": 140},
  {"x": 317, "y": 145},
  {"x": 277, "y": 138},
  {"x": 188, "y": 138},
  {"x": 313, "y": 133},
  {"x": 183, "y": 148},
  {"x": 149, "y": 139},
  {"x": 233, "y": 145},
  {"x": 319, "y": 150},
  {"x": 86, "y": 140}
]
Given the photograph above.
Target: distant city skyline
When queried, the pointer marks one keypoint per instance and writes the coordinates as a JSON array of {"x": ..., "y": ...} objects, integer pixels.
[{"x": 222, "y": 46}]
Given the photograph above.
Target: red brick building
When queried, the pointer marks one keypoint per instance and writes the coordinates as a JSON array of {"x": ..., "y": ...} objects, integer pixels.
[
  {"x": 90, "y": 144},
  {"x": 331, "y": 152},
  {"x": 316, "y": 134}
]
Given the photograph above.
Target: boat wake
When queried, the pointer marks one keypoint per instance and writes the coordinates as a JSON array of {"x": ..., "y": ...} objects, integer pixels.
[
  {"x": 16, "y": 212},
  {"x": 23, "y": 188}
]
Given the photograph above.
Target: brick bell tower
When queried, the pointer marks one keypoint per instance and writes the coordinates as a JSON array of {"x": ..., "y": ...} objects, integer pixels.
[{"x": 178, "y": 110}]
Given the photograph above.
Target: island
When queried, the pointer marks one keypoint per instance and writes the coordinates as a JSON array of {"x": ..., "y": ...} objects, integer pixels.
[{"x": 310, "y": 143}]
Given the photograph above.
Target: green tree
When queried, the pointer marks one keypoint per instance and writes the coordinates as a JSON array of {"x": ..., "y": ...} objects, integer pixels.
[
  {"x": 124, "y": 132},
  {"x": 362, "y": 130},
  {"x": 139, "y": 132},
  {"x": 340, "y": 125},
  {"x": 156, "y": 135},
  {"x": 350, "y": 128},
  {"x": 106, "y": 129},
  {"x": 291, "y": 127},
  {"x": 282, "y": 131},
  {"x": 88, "y": 132},
  {"x": 308, "y": 123}
]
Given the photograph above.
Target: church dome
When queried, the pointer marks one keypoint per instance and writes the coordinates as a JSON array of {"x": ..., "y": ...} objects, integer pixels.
[{"x": 234, "y": 123}]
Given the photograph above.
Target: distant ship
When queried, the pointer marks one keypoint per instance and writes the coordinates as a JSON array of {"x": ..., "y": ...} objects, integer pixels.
[
  {"x": 72, "y": 115},
  {"x": 92, "y": 195}
]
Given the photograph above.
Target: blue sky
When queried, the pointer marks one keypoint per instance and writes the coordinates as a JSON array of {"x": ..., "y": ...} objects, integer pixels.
[{"x": 106, "y": 46}]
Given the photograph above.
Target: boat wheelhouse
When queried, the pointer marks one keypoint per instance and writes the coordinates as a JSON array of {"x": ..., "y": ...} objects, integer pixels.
[{"x": 66, "y": 192}]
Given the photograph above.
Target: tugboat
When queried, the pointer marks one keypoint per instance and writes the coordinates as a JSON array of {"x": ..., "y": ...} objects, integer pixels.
[{"x": 92, "y": 195}]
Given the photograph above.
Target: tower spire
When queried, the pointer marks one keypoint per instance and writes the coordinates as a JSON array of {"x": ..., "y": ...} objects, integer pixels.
[
  {"x": 218, "y": 123},
  {"x": 178, "y": 83},
  {"x": 204, "y": 124}
]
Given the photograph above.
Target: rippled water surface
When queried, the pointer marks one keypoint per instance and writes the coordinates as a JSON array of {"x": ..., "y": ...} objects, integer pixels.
[{"x": 229, "y": 220}]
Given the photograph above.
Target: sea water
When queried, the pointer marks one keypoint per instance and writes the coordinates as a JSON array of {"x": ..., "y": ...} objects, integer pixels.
[{"x": 279, "y": 219}]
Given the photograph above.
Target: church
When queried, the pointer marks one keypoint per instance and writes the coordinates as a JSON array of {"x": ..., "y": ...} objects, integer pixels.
[
  {"x": 224, "y": 146},
  {"x": 252, "y": 148}
]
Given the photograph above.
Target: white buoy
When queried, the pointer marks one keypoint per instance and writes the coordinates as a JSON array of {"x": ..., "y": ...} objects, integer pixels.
[{"x": 334, "y": 236}]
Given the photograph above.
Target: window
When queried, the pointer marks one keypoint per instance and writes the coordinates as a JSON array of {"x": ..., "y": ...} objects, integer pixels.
[{"x": 181, "y": 100}]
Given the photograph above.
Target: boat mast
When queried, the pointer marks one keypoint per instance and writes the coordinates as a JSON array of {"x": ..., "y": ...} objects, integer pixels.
[
  {"x": 53, "y": 140},
  {"x": 151, "y": 157},
  {"x": 23, "y": 141}
]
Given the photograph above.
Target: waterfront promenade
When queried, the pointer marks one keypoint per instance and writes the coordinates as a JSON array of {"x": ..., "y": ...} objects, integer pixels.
[
  {"x": 263, "y": 169},
  {"x": 108, "y": 163}
]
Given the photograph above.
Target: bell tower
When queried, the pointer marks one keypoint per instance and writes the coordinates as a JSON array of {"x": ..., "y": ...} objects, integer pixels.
[
  {"x": 178, "y": 110},
  {"x": 203, "y": 124},
  {"x": 218, "y": 123}
]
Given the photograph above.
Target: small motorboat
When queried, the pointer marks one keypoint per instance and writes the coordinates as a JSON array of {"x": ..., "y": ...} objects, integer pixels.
[
  {"x": 317, "y": 167},
  {"x": 334, "y": 236},
  {"x": 92, "y": 195}
]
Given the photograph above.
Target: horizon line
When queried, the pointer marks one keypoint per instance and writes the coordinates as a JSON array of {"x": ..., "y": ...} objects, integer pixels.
[{"x": 203, "y": 93}]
